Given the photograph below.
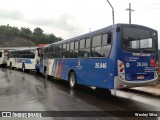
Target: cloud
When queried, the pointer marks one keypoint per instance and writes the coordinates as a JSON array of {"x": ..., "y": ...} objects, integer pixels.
[
  {"x": 66, "y": 24},
  {"x": 12, "y": 14}
]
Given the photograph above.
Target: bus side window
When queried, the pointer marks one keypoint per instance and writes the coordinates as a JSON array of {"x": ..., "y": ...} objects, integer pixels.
[
  {"x": 96, "y": 46},
  {"x": 27, "y": 54},
  {"x": 45, "y": 53},
  {"x": 67, "y": 52},
  {"x": 76, "y": 48},
  {"x": 81, "y": 48},
  {"x": 109, "y": 39},
  {"x": 84, "y": 49},
  {"x": 60, "y": 51},
  {"x": 101, "y": 45},
  {"x": 106, "y": 42},
  {"x": 64, "y": 51},
  {"x": 52, "y": 52},
  {"x": 56, "y": 51},
  {"x": 87, "y": 48},
  {"x": 32, "y": 54},
  {"x": 73, "y": 50}
]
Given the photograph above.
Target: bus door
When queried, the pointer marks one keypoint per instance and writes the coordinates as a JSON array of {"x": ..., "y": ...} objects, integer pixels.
[{"x": 41, "y": 63}]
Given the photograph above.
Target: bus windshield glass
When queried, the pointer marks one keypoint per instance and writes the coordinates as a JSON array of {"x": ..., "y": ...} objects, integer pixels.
[{"x": 137, "y": 39}]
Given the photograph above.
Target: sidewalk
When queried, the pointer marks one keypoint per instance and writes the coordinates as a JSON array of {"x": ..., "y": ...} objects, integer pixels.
[{"x": 154, "y": 90}]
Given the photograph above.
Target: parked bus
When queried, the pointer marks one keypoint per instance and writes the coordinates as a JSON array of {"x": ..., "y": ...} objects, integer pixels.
[
  {"x": 26, "y": 59},
  {"x": 115, "y": 57},
  {"x": 39, "y": 66},
  {"x": 3, "y": 57}
]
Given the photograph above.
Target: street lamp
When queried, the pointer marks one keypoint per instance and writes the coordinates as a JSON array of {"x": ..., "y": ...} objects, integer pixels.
[{"x": 112, "y": 11}]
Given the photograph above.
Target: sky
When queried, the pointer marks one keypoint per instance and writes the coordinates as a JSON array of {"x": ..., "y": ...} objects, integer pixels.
[{"x": 70, "y": 18}]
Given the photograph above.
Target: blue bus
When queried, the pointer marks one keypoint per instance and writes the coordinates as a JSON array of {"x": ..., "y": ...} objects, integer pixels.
[{"x": 115, "y": 57}]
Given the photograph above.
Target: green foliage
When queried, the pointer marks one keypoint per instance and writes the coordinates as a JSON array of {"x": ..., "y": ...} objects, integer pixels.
[
  {"x": 38, "y": 31},
  {"x": 36, "y": 36},
  {"x": 26, "y": 32},
  {"x": 8, "y": 30}
]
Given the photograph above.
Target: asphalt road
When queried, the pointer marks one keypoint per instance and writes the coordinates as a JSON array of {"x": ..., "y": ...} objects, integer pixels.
[{"x": 29, "y": 92}]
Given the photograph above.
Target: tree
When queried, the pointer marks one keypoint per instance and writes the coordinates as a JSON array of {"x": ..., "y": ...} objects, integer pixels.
[
  {"x": 26, "y": 32},
  {"x": 15, "y": 31},
  {"x": 38, "y": 31},
  {"x": 36, "y": 36}
]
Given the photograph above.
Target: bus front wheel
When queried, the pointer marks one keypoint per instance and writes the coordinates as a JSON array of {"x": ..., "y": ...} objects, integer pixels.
[
  {"x": 23, "y": 68},
  {"x": 72, "y": 80}
]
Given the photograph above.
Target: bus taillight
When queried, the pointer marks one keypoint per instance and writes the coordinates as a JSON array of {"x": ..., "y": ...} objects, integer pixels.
[
  {"x": 121, "y": 70},
  {"x": 120, "y": 64}
]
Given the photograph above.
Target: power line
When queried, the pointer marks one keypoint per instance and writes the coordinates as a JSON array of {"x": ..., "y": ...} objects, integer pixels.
[{"x": 130, "y": 10}]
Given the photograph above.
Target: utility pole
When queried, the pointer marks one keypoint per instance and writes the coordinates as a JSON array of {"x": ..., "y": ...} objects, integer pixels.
[
  {"x": 112, "y": 11},
  {"x": 130, "y": 10}
]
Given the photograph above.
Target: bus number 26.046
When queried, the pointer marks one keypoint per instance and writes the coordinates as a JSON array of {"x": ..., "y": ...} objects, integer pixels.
[{"x": 100, "y": 65}]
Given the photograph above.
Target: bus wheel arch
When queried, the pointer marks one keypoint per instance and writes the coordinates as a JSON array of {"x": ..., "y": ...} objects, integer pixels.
[{"x": 72, "y": 79}]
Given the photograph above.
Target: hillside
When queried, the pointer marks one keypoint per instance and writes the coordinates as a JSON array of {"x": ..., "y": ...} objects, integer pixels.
[
  {"x": 15, "y": 41},
  {"x": 14, "y": 37}
]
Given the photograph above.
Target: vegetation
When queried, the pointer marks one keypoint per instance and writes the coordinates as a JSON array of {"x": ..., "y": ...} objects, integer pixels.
[{"x": 38, "y": 36}]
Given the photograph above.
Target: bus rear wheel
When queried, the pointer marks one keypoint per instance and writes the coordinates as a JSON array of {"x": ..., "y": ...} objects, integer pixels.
[
  {"x": 72, "y": 80},
  {"x": 10, "y": 66},
  {"x": 23, "y": 68}
]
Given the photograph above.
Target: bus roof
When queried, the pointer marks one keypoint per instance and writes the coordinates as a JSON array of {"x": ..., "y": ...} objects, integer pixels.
[
  {"x": 24, "y": 49},
  {"x": 88, "y": 35}
]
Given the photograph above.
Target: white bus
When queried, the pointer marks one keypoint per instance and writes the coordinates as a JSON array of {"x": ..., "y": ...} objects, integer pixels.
[
  {"x": 25, "y": 59},
  {"x": 3, "y": 57}
]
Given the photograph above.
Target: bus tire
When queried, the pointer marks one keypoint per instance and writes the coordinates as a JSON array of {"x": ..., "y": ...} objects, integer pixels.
[
  {"x": 45, "y": 73},
  {"x": 72, "y": 80},
  {"x": 10, "y": 66},
  {"x": 23, "y": 67},
  {"x": 37, "y": 71}
]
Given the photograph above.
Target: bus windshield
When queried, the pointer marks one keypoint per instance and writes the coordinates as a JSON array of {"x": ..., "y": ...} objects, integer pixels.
[{"x": 138, "y": 39}]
